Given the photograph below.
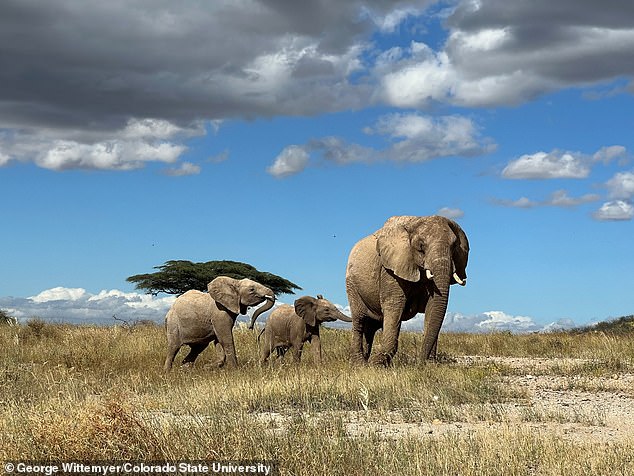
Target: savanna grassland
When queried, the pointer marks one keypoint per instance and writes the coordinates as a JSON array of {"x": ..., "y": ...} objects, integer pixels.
[{"x": 537, "y": 404}]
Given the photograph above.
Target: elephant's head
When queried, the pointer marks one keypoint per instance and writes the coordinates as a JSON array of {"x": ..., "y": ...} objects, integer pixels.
[
  {"x": 236, "y": 295},
  {"x": 433, "y": 249},
  {"x": 314, "y": 311}
]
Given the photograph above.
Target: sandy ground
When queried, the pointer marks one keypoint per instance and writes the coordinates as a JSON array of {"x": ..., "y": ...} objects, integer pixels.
[{"x": 575, "y": 407}]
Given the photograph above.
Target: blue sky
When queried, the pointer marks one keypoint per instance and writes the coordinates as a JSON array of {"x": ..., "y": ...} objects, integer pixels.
[{"x": 279, "y": 133}]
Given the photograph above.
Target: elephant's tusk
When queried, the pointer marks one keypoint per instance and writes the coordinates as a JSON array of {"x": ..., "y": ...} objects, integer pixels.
[
  {"x": 461, "y": 282},
  {"x": 270, "y": 298},
  {"x": 429, "y": 274}
]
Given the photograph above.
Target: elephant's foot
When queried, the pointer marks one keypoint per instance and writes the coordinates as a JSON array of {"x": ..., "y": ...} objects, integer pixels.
[
  {"x": 381, "y": 359},
  {"x": 358, "y": 359}
]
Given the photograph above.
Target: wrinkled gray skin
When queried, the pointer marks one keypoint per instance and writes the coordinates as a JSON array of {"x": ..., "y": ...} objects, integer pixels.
[
  {"x": 292, "y": 326},
  {"x": 197, "y": 319},
  {"x": 402, "y": 269}
]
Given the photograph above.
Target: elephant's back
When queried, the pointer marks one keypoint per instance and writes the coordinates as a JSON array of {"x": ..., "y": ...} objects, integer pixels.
[
  {"x": 281, "y": 313},
  {"x": 193, "y": 304},
  {"x": 363, "y": 259},
  {"x": 362, "y": 277}
]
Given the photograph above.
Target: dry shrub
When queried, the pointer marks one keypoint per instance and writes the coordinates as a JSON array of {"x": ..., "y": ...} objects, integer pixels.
[{"x": 106, "y": 428}]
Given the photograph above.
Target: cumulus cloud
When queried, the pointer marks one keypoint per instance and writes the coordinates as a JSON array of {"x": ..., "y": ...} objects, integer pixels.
[
  {"x": 504, "y": 53},
  {"x": 66, "y": 103},
  {"x": 621, "y": 191},
  {"x": 543, "y": 165},
  {"x": 616, "y": 210},
  {"x": 138, "y": 143},
  {"x": 610, "y": 153},
  {"x": 621, "y": 186},
  {"x": 59, "y": 294},
  {"x": 410, "y": 138},
  {"x": 489, "y": 321},
  {"x": 78, "y": 306},
  {"x": 292, "y": 160}
]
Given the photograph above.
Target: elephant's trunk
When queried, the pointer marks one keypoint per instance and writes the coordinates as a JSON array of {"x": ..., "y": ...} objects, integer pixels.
[
  {"x": 270, "y": 300},
  {"x": 436, "y": 306},
  {"x": 342, "y": 317}
]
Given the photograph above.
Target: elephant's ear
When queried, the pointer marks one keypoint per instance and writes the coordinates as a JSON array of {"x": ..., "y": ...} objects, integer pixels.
[
  {"x": 394, "y": 247},
  {"x": 306, "y": 308},
  {"x": 224, "y": 292},
  {"x": 460, "y": 250}
]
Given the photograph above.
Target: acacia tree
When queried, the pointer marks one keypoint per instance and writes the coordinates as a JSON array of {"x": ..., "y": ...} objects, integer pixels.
[{"x": 178, "y": 276}]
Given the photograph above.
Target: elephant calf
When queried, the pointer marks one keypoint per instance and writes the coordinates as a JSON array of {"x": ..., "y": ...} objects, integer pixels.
[
  {"x": 292, "y": 326},
  {"x": 197, "y": 319}
]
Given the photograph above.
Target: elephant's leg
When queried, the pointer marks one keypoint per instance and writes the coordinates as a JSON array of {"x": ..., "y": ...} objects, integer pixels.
[
  {"x": 432, "y": 354},
  {"x": 220, "y": 353},
  {"x": 266, "y": 349},
  {"x": 392, "y": 312},
  {"x": 194, "y": 352},
  {"x": 370, "y": 328},
  {"x": 315, "y": 342},
  {"x": 358, "y": 314},
  {"x": 172, "y": 350},
  {"x": 297, "y": 352},
  {"x": 223, "y": 325}
]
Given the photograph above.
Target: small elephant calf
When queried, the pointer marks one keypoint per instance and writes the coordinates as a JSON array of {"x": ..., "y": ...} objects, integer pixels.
[{"x": 292, "y": 326}]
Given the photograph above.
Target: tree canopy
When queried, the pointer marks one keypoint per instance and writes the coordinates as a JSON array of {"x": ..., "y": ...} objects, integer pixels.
[{"x": 178, "y": 276}]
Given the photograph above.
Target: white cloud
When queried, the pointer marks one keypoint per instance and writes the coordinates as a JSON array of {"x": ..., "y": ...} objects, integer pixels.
[
  {"x": 184, "y": 168},
  {"x": 59, "y": 294},
  {"x": 542, "y": 165},
  {"x": 489, "y": 321},
  {"x": 292, "y": 160},
  {"x": 500, "y": 53},
  {"x": 522, "y": 202},
  {"x": 424, "y": 138},
  {"x": 621, "y": 186},
  {"x": 559, "y": 198},
  {"x": 76, "y": 305},
  {"x": 610, "y": 153},
  {"x": 452, "y": 213},
  {"x": 138, "y": 143},
  {"x": 111, "y": 155},
  {"x": 4, "y": 159},
  {"x": 617, "y": 210},
  {"x": 153, "y": 129},
  {"x": 500, "y": 321},
  {"x": 410, "y": 137}
]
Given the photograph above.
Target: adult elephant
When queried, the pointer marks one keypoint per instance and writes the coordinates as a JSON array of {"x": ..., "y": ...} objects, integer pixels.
[
  {"x": 196, "y": 318},
  {"x": 403, "y": 269}
]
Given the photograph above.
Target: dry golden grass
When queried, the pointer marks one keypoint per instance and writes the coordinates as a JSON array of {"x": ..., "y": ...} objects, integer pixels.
[{"x": 92, "y": 393}]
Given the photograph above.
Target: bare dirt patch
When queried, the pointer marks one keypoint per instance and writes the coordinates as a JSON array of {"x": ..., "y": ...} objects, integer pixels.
[{"x": 559, "y": 399}]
